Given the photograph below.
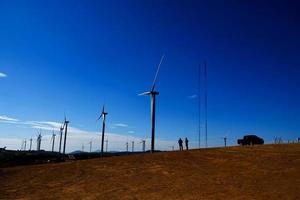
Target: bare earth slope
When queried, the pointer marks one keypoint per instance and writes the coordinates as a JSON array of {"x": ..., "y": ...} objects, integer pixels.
[{"x": 259, "y": 172}]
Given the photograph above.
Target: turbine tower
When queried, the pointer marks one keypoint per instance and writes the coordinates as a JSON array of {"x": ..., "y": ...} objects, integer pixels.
[
  {"x": 132, "y": 146},
  {"x": 30, "y": 144},
  {"x": 61, "y": 129},
  {"x": 103, "y": 116},
  {"x": 53, "y": 140},
  {"x": 153, "y": 94},
  {"x": 143, "y": 142},
  {"x": 91, "y": 142},
  {"x": 127, "y": 147},
  {"x": 66, "y": 122},
  {"x": 25, "y": 144},
  {"x": 39, "y": 140}
]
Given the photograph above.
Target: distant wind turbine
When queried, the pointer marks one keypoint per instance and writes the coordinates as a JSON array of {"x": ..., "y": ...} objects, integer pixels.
[
  {"x": 153, "y": 94},
  {"x": 132, "y": 146},
  {"x": 143, "y": 142},
  {"x": 103, "y": 116},
  {"x": 39, "y": 140},
  {"x": 127, "y": 147},
  {"x": 53, "y": 141},
  {"x": 91, "y": 143},
  {"x": 66, "y": 122},
  {"x": 61, "y": 129},
  {"x": 30, "y": 144}
]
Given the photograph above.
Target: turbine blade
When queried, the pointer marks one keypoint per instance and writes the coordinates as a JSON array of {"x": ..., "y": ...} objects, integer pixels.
[
  {"x": 157, "y": 71},
  {"x": 99, "y": 117},
  {"x": 144, "y": 93}
]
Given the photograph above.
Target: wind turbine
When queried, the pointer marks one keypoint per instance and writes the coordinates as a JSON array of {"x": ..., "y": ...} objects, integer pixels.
[
  {"x": 25, "y": 144},
  {"x": 61, "y": 129},
  {"x": 30, "y": 144},
  {"x": 153, "y": 94},
  {"x": 91, "y": 142},
  {"x": 39, "y": 140},
  {"x": 127, "y": 147},
  {"x": 103, "y": 116},
  {"x": 143, "y": 145},
  {"x": 66, "y": 122},
  {"x": 53, "y": 140},
  {"x": 143, "y": 142},
  {"x": 132, "y": 146}
]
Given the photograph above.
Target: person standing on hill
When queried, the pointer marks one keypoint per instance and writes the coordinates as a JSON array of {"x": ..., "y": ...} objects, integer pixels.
[
  {"x": 180, "y": 144},
  {"x": 186, "y": 144}
]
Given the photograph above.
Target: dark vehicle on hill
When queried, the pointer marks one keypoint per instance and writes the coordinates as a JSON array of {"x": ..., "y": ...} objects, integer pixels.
[{"x": 250, "y": 140}]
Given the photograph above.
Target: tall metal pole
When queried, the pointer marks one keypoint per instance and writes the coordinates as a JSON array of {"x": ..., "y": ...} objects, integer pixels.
[
  {"x": 65, "y": 139},
  {"x": 199, "y": 106},
  {"x": 205, "y": 78}
]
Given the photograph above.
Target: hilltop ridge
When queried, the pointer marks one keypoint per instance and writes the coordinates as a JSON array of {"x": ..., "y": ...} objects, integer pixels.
[{"x": 258, "y": 172}]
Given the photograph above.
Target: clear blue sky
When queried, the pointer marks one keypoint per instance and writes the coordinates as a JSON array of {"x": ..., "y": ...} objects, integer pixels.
[{"x": 73, "y": 56}]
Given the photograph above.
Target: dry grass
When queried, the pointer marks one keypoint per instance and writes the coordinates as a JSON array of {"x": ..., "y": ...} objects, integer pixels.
[{"x": 259, "y": 172}]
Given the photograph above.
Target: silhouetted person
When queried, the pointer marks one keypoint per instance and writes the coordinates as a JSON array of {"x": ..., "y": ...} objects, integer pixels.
[
  {"x": 186, "y": 143},
  {"x": 180, "y": 144}
]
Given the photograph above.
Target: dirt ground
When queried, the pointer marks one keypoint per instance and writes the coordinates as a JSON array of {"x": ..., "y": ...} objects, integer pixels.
[{"x": 259, "y": 172}]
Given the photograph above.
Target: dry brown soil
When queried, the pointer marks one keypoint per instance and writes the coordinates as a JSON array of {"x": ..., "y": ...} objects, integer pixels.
[{"x": 259, "y": 172}]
